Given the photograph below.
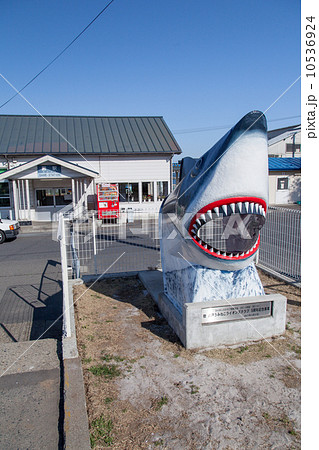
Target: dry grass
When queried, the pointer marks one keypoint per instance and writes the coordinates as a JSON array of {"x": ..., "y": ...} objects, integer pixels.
[{"x": 144, "y": 390}]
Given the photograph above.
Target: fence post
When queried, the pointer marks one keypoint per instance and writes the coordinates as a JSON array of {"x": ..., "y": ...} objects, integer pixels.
[
  {"x": 65, "y": 278},
  {"x": 94, "y": 242},
  {"x": 75, "y": 259}
]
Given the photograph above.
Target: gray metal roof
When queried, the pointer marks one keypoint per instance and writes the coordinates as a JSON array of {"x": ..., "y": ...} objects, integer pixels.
[
  {"x": 31, "y": 135},
  {"x": 281, "y": 131}
]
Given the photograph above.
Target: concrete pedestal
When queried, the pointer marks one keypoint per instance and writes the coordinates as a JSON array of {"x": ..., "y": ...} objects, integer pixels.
[
  {"x": 226, "y": 321},
  {"x": 194, "y": 333}
]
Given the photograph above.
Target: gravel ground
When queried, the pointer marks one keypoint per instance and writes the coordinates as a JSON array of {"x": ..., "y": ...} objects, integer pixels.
[{"x": 145, "y": 391}]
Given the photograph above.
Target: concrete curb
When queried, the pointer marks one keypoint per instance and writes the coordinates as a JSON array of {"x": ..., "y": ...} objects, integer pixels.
[
  {"x": 76, "y": 427},
  {"x": 92, "y": 278}
]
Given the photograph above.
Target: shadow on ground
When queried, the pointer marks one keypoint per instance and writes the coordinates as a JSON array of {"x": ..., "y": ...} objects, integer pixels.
[
  {"x": 130, "y": 290},
  {"x": 33, "y": 311}
]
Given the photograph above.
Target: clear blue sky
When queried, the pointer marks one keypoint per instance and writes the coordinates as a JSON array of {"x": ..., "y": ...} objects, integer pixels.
[{"x": 199, "y": 64}]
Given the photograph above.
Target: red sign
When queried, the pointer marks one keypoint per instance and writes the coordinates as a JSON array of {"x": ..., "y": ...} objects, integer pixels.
[{"x": 108, "y": 201}]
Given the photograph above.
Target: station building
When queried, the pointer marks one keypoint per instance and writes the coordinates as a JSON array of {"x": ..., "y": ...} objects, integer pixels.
[{"x": 50, "y": 162}]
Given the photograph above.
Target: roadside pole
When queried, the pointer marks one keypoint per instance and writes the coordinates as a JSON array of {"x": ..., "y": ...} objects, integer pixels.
[
  {"x": 94, "y": 242},
  {"x": 65, "y": 279}
]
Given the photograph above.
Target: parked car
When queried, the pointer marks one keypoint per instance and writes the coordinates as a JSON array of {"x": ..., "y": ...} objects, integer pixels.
[{"x": 8, "y": 229}]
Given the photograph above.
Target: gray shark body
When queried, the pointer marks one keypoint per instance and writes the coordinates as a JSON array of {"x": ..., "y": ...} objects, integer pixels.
[{"x": 210, "y": 223}]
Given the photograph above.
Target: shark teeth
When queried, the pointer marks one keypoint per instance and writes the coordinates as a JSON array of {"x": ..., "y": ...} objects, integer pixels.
[
  {"x": 209, "y": 215},
  {"x": 232, "y": 255},
  {"x": 234, "y": 208},
  {"x": 219, "y": 212},
  {"x": 239, "y": 207},
  {"x": 224, "y": 209}
]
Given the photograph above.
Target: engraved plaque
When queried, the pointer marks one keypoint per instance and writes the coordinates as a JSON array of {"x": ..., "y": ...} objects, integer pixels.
[{"x": 236, "y": 312}]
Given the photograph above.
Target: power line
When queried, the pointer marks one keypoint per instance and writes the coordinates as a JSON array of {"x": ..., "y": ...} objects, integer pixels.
[
  {"x": 223, "y": 127},
  {"x": 60, "y": 54}
]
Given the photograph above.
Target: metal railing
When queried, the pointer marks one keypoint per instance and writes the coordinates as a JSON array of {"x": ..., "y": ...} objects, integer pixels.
[
  {"x": 127, "y": 244},
  {"x": 94, "y": 245},
  {"x": 131, "y": 243}
]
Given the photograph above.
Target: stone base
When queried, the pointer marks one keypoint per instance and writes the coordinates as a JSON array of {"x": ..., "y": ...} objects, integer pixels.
[
  {"x": 193, "y": 333},
  {"x": 196, "y": 283}
]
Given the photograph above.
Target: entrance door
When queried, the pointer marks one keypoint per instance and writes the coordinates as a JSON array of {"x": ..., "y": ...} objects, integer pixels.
[
  {"x": 282, "y": 193},
  {"x": 53, "y": 197}
]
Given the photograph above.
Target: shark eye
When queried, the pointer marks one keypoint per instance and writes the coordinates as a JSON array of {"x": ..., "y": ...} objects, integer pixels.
[{"x": 196, "y": 168}]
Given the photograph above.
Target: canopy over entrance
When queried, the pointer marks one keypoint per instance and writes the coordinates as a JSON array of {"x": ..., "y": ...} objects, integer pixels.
[{"x": 42, "y": 187}]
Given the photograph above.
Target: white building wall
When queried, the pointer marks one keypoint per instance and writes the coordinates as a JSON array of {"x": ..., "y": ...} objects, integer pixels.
[
  {"x": 272, "y": 189},
  {"x": 129, "y": 169},
  {"x": 116, "y": 169},
  {"x": 126, "y": 168},
  {"x": 279, "y": 148},
  {"x": 284, "y": 196}
]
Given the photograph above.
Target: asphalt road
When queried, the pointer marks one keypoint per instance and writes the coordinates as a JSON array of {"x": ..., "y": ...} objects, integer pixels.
[
  {"x": 31, "y": 415},
  {"x": 30, "y": 288}
]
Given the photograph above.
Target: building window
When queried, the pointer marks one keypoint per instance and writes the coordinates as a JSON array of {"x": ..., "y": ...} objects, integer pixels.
[
  {"x": 293, "y": 148},
  {"x": 128, "y": 192},
  {"x": 4, "y": 194},
  {"x": 63, "y": 196},
  {"x": 282, "y": 183},
  {"x": 162, "y": 190},
  {"x": 54, "y": 197},
  {"x": 148, "y": 191}
]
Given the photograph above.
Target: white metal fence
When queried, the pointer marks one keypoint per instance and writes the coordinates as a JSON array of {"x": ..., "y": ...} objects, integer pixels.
[
  {"x": 94, "y": 247},
  {"x": 280, "y": 248},
  {"x": 132, "y": 243}
]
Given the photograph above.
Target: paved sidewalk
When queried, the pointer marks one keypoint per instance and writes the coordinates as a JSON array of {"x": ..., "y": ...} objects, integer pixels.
[
  {"x": 39, "y": 227},
  {"x": 30, "y": 395}
]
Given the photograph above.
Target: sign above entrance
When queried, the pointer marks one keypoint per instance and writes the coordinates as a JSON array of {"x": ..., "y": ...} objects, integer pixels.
[{"x": 52, "y": 171}]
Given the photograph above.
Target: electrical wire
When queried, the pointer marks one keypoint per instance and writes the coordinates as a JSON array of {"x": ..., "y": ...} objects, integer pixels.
[
  {"x": 58, "y": 56},
  {"x": 223, "y": 127}
]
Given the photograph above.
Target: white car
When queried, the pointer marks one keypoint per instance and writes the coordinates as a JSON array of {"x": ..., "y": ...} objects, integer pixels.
[{"x": 8, "y": 229}]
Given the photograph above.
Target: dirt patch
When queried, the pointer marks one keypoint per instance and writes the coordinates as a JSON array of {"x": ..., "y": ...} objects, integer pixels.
[
  {"x": 274, "y": 286},
  {"x": 145, "y": 391}
]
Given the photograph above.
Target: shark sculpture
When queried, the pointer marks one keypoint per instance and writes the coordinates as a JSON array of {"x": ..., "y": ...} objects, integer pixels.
[{"x": 210, "y": 223}]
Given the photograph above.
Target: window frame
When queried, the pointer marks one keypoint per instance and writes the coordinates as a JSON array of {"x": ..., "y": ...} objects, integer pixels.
[
  {"x": 4, "y": 196},
  {"x": 286, "y": 180},
  {"x": 158, "y": 190},
  {"x": 127, "y": 198},
  {"x": 55, "y": 205},
  {"x": 148, "y": 197}
]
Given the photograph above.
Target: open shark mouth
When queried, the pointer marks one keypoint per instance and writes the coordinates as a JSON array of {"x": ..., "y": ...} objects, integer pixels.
[{"x": 229, "y": 228}]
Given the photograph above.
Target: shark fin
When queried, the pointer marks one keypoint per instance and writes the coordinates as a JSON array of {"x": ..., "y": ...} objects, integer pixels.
[{"x": 187, "y": 164}]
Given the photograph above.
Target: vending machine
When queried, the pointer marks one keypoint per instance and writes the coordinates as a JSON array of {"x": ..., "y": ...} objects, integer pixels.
[{"x": 108, "y": 200}]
